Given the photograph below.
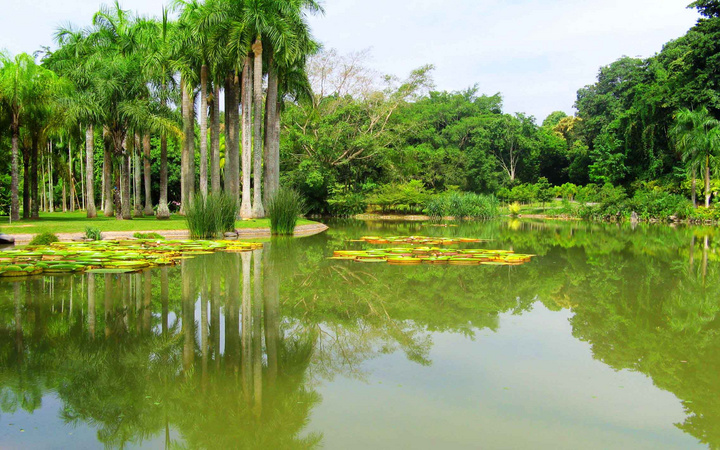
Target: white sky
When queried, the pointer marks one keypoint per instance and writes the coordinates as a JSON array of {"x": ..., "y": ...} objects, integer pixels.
[{"x": 537, "y": 53}]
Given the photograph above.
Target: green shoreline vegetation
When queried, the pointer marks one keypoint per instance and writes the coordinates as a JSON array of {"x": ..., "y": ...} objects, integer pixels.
[{"x": 645, "y": 138}]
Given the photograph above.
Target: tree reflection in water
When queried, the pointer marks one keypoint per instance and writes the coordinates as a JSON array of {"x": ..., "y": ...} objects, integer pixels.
[{"x": 227, "y": 350}]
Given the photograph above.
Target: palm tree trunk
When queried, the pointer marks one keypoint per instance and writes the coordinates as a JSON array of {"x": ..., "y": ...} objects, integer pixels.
[
  {"x": 707, "y": 181},
  {"x": 146, "y": 175},
  {"x": 15, "y": 181},
  {"x": 258, "y": 210},
  {"x": 107, "y": 175},
  {"x": 137, "y": 201},
  {"x": 26, "y": 183},
  {"x": 232, "y": 139},
  {"x": 246, "y": 204},
  {"x": 203, "y": 130},
  {"x": 51, "y": 187},
  {"x": 215, "y": 140},
  {"x": 185, "y": 173},
  {"x": 271, "y": 159},
  {"x": 71, "y": 178},
  {"x": 163, "y": 212},
  {"x": 34, "y": 213},
  {"x": 125, "y": 174},
  {"x": 89, "y": 173},
  {"x": 693, "y": 192}
]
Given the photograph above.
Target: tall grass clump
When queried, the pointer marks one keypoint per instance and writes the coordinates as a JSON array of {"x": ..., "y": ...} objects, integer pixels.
[
  {"x": 284, "y": 208},
  {"x": 462, "y": 205},
  {"x": 209, "y": 217},
  {"x": 436, "y": 207},
  {"x": 93, "y": 234},
  {"x": 45, "y": 238}
]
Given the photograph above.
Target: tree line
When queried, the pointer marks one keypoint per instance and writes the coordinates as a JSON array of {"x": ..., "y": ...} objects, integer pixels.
[{"x": 131, "y": 86}]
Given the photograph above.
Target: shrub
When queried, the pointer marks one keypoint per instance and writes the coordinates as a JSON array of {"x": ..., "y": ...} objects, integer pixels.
[
  {"x": 657, "y": 204},
  {"x": 93, "y": 234},
  {"x": 523, "y": 193},
  {"x": 514, "y": 209},
  {"x": 45, "y": 238},
  {"x": 208, "y": 217},
  {"x": 407, "y": 198},
  {"x": 284, "y": 208},
  {"x": 148, "y": 236},
  {"x": 345, "y": 202}
]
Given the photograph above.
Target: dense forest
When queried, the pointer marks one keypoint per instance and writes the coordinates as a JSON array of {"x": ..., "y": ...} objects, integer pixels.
[{"x": 125, "y": 114}]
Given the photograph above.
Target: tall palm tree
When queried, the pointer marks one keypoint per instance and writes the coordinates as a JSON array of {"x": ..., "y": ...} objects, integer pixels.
[
  {"x": 159, "y": 70},
  {"x": 697, "y": 136}
]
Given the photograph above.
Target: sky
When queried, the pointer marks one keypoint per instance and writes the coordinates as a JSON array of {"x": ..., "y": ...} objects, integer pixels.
[{"x": 537, "y": 53}]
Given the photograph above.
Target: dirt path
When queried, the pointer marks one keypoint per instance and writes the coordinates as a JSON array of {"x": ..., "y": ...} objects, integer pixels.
[{"x": 246, "y": 233}]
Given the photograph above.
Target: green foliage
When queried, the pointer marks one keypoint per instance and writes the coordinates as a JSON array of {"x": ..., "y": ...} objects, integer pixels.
[
  {"x": 658, "y": 204},
  {"x": 344, "y": 201},
  {"x": 93, "y": 233},
  {"x": 544, "y": 190},
  {"x": 209, "y": 217},
  {"x": 45, "y": 238},
  {"x": 406, "y": 198}
]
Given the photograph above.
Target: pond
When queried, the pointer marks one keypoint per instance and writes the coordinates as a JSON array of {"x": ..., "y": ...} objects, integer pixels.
[{"x": 608, "y": 338}]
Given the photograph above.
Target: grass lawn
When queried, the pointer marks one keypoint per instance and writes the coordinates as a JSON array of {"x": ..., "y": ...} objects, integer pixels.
[{"x": 76, "y": 222}]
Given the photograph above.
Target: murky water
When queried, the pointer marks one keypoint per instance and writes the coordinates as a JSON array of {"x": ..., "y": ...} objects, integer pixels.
[{"x": 609, "y": 338}]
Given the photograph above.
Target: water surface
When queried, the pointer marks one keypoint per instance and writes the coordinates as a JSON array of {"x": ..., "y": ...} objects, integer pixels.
[{"x": 609, "y": 338}]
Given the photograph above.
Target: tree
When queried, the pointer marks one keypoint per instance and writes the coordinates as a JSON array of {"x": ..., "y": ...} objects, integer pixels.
[{"x": 697, "y": 136}]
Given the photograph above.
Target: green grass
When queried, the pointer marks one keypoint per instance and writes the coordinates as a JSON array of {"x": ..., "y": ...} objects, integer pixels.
[{"x": 76, "y": 222}]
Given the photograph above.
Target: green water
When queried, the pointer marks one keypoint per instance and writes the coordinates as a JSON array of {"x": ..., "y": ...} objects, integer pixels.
[{"x": 609, "y": 338}]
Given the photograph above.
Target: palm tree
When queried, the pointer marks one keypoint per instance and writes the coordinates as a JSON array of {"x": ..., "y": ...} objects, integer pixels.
[
  {"x": 25, "y": 90},
  {"x": 160, "y": 72},
  {"x": 121, "y": 87},
  {"x": 697, "y": 136}
]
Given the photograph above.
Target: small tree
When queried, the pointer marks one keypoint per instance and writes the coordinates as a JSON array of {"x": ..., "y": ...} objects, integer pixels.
[{"x": 544, "y": 191}]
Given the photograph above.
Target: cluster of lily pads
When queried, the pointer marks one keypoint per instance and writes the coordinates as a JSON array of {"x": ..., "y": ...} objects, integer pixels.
[
  {"x": 417, "y": 240},
  {"x": 430, "y": 253},
  {"x": 113, "y": 256}
]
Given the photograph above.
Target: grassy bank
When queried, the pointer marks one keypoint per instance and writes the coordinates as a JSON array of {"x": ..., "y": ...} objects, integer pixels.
[{"x": 76, "y": 222}]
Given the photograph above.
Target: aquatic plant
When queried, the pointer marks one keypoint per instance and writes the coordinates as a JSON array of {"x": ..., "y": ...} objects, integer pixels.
[
  {"x": 434, "y": 255},
  {"x": 113, "y": 256},
  {"x": 45, "y": 238},
  {"x": 209, "y": 216},
  {"x": 93, "y": 234},
  {"x": 284, "y": 208}
]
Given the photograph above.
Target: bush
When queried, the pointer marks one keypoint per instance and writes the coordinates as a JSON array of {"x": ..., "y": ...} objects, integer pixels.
[
  {"x": 408, "y": 198},
  {"x": 284, "y": 208},
  {"x": 523, "y": 193},
  {"x": 660, "y": 205},
  {"x": 514, "y": 209},
  {"x": 93, "y": 234},
  {"x": 148, "y": 236},
  {"x": 208, "y": 217},
  {"x": 45, "y": 238},
  {"x": 344, "y": 202}
]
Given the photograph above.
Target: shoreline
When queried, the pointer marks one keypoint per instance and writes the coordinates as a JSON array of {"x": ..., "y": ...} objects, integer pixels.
[{"x": 243, "y": 233}]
